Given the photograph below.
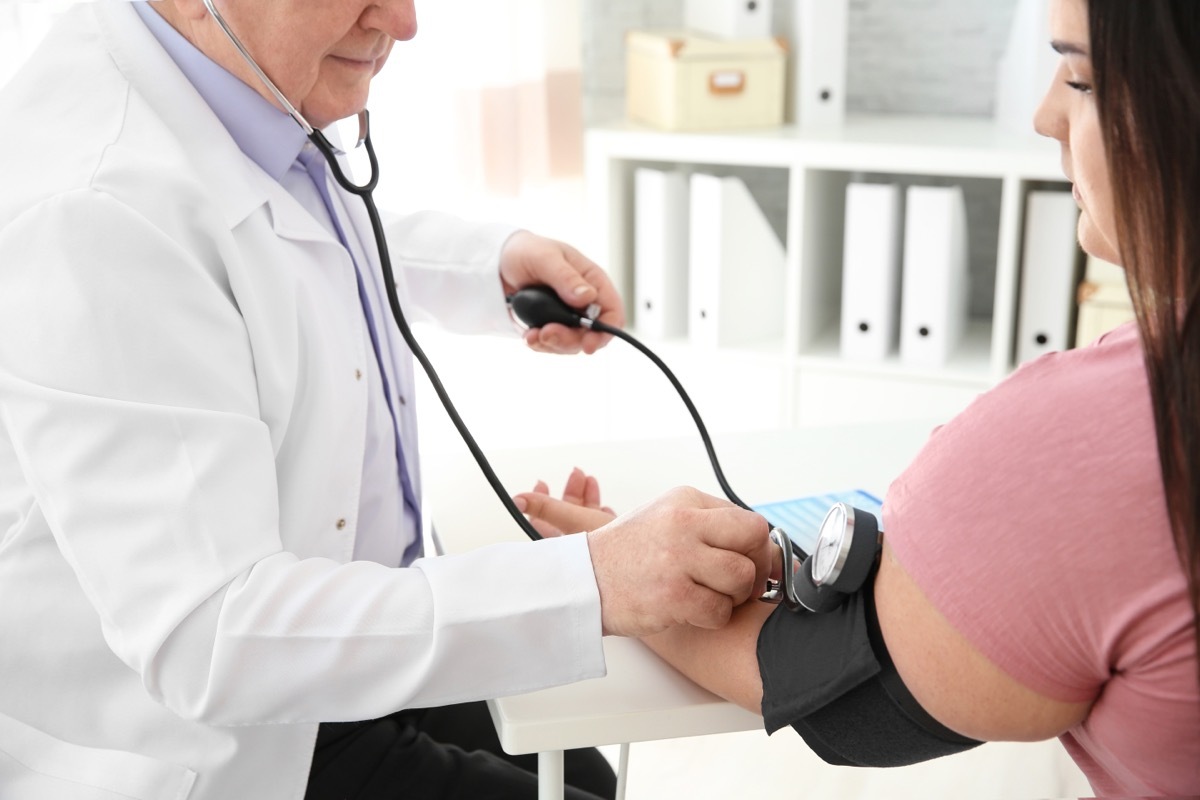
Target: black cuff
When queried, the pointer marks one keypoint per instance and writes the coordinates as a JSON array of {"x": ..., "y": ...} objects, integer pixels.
[{"x": 822, "y": 675}]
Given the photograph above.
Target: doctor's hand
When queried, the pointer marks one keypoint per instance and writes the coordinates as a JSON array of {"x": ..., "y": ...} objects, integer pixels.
[
  {"x": 528, "y": 259},
  {"x": 684, "y": 558}
]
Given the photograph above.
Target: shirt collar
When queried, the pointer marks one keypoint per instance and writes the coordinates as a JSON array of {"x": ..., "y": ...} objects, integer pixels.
[{"x": 267, "y": 135}]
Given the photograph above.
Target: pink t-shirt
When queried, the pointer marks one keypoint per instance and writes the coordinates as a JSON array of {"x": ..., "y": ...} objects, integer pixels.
[{"x": 1035, "y": 522}]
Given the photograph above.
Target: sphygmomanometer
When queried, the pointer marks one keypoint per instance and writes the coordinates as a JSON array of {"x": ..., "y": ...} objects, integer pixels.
[{"x": 825, "y": 668}]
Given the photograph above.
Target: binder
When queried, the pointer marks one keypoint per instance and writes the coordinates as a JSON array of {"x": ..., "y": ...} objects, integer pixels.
[
  {"x": 871, "y": 271},
  {"x": 660, "y": 252},
  {"x": 933, "y": 299},
  {"x": 1026, "y": 68},
  {"x": 1049, "y": 265},
  {"x": 729, "y": 19},
  {"x": 820, "y": 62},
  {"x": 736, "y": 266}
]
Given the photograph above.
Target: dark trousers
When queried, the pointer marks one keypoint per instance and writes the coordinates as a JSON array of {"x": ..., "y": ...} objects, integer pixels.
[{"x": 438, "y": 754}]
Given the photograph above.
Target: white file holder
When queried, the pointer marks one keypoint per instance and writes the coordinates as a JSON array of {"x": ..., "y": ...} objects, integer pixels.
[
  {"x": 871, "y": 271},
  {"x": 819, "y": 85},
  {"x": 729, "y": 19},
  {"x": 660, "y": 253},
  {"x": 1049, "y": 267},
  {"x": 1025, "y": 70},
  {"x": 736, "y": 275},
  {"x": 933, "y": 304}
]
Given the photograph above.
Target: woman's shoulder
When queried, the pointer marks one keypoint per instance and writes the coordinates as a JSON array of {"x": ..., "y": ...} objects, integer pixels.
[
  {"x": 1057, "y": 418},
  {"x": 1037, "y": 515},
  {"x": 1104, "y": 380},
  {"x": 1031, "y": 537}
]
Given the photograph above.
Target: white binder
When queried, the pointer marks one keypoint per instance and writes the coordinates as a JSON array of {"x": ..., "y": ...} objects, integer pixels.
[
  {"x": 660, "y": 253},
  {"x": 729, "y": 19},
  {"x": 736, "y": 276},
  {"x": 1049, "y": 265},
  {"x": 1026, "y": 69},
  {"x": 871, "y": 271},
  {"x": 933, "y": 304},
  {"x": 820, "y": 62}
]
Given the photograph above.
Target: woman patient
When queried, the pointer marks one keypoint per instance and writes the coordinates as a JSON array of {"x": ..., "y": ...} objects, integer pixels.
[{"x": 1041, "y": 558}]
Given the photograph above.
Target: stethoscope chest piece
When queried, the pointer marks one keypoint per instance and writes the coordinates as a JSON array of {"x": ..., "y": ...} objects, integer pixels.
[{"x": 848, "y": 545}]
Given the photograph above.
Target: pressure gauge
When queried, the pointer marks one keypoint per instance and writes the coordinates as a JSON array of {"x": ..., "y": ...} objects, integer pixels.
[
  {"x": 833, "y": 544},
  {"x": 847, "y": 545}
]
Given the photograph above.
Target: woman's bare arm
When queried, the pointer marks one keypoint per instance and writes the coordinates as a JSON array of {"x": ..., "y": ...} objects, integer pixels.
[
  {"x": 724, "y": 661},
  {"x": 947, "y": 675},
  {"x": 951, "y": 679}
]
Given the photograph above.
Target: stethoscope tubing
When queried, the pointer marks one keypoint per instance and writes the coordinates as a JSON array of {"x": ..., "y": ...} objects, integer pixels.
[
  {"x": 687, "y": 401},
  {"x": 393, "y": 297},
  {"x": 365, "y": 192}
]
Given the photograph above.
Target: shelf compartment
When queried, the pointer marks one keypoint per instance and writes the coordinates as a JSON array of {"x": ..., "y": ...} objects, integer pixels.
[
  {"x": 820, "y": 233},
  {"x": 969, "y": 365}
]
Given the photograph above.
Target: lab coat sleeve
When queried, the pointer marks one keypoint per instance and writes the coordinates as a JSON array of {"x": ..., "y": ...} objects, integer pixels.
[
  {"x": 452, "y": 270},
  {"x": 127, "y": 388}
]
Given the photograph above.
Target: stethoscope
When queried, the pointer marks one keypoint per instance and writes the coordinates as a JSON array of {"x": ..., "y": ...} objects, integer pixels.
[{"x": 805, "y": 582}]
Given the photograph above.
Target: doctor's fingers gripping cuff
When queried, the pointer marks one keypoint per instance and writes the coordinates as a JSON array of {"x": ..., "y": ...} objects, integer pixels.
[{"x": 830, "y": 677}]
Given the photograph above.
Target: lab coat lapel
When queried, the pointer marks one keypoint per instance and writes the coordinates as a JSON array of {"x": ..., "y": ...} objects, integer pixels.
[
  {"x": 238, "y": 191},
  {"x": 262, "y": 220},
  {"x": 152, "y": 73}
]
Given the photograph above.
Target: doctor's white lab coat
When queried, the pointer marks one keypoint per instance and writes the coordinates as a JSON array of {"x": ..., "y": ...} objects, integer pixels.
[{"x": 181, "y": 447}]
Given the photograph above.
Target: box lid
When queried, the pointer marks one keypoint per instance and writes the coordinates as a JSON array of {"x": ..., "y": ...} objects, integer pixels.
[{"x": 690, "y": 45}]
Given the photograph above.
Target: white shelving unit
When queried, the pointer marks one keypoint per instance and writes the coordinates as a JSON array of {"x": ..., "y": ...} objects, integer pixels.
[{"x": 820, "y": 387}]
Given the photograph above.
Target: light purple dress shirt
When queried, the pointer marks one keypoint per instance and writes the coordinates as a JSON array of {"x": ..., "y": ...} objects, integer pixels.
[{"x": 389, "y": 517}]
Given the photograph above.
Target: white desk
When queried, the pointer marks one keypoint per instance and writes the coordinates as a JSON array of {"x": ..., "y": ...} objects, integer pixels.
[{"x": 642, "y": 698}]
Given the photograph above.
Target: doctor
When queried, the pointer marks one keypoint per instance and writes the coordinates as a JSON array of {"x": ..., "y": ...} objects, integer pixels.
[{"x": 210, "y": 566}]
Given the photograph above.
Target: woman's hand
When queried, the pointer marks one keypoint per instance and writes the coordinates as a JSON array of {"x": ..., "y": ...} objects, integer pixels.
[{"x": 579, "y": 509}]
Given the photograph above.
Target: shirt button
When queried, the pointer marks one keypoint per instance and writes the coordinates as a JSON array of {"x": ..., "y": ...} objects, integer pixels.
[
  {"x": 403, "y": 400},
  {"x": 341, "y": 524},
  {"x": 358, "y": 374}
]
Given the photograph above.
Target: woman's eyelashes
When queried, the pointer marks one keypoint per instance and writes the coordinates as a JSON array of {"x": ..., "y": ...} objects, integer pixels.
[{"x": 1080, "y": 86}]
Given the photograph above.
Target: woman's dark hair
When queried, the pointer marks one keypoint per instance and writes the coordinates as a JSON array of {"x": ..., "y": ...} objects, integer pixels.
[{"x": 1146, "y": 70}]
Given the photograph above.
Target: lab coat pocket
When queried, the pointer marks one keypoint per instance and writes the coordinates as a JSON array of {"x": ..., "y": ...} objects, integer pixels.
[{"x": 37, "y": 766}]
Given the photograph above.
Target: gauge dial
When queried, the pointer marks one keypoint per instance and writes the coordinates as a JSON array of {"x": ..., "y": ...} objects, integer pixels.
[{"x": 833, "y": 543}]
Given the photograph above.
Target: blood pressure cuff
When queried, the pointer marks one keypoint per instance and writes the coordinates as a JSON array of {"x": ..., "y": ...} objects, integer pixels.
[{"x": 830, "y": 677}]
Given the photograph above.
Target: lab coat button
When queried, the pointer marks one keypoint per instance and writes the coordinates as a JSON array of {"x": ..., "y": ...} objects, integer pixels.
[
  {"x": 358, "y": 374},
  {"x": 403, "y": 400},
  {"x": 341, "y": 524}
]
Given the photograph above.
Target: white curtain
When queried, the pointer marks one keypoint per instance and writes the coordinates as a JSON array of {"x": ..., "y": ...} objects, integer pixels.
[
  {"x": 482, "y": 109},
  {"x": 485, "y": 102}
]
